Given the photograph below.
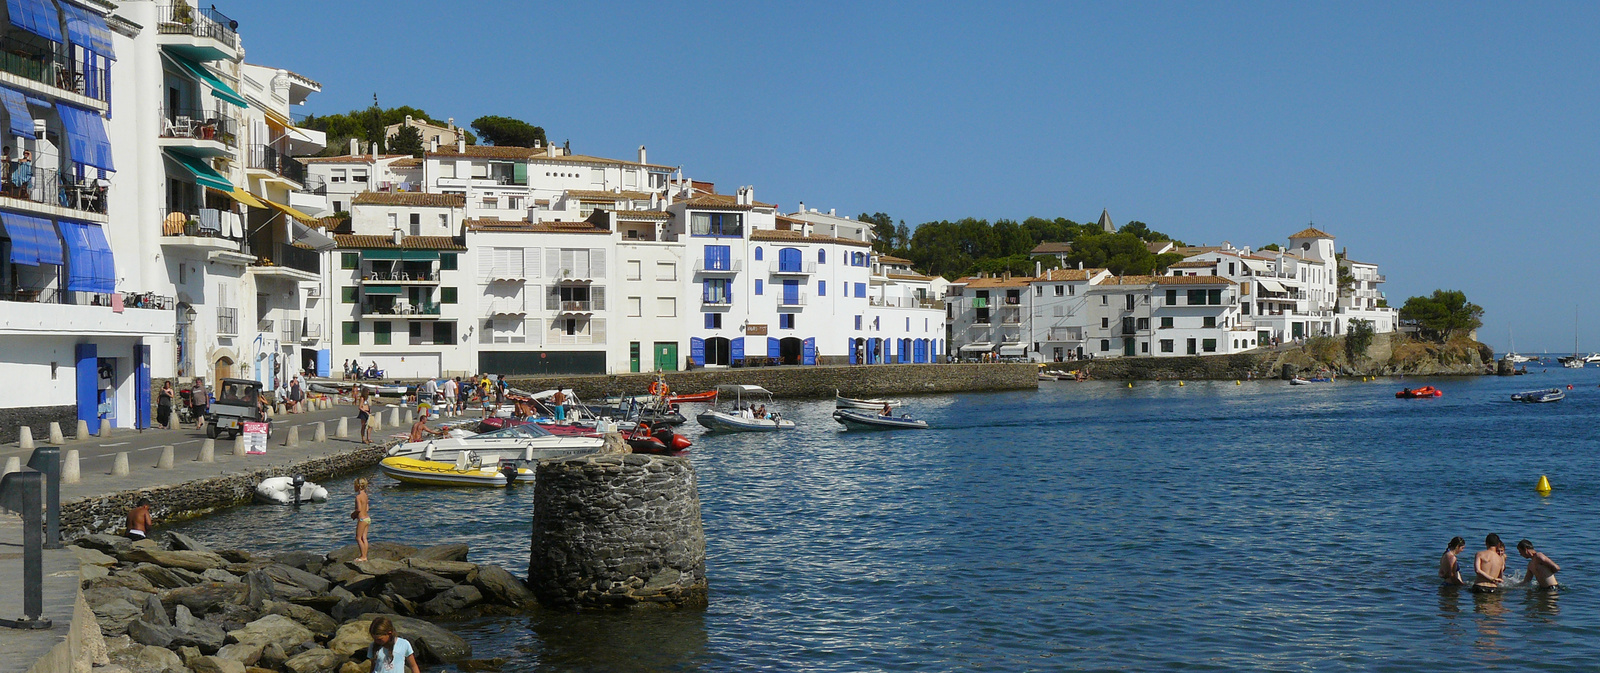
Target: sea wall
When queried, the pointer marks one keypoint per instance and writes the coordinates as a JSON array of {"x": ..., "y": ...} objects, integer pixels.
[
  {"x": 810, "y": 381},
  {"x": 1193, "y": 368},
  {"x": 1387, "y": 355}
]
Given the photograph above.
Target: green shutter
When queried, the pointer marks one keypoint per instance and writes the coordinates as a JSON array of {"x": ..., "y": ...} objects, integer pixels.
[
  {"x": 386, "y": 290},
  {"x": 347, "y": 294},
  {"x": 520, "y": 172},
  {"x": 447, "y": 295},
  {"x": 349, "y": 260},
  {"x": 447, "y": 262},
  {"x": 380, "y": 333},
  {"x": 352, "y": 334}
]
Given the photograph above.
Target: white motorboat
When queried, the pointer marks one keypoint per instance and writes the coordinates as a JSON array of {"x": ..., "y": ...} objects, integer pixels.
[
  {"x": 738, "y": 417},
  {"x": 280, "y": 491},
  {"x": 1592, "y": 358},
  {"x": 860, "y": 420},
  {"x": 518, "y": 442},
  {"x": 842, "y": 402}
]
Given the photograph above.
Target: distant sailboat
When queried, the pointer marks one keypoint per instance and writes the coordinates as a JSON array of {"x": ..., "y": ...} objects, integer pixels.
[
  {"x": 1516, "y": 359},
  {"x": 1576, "y": 360}
]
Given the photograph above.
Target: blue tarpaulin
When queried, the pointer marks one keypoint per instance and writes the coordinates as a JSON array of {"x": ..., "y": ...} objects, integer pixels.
[
  {"x": 90, "y": 267},
  {"x": 36, "y": 16},
  {"x": 86, "y": 137},
  {"x": 88, "y": 30},
  {"x": 16, "y": 105},
  {"x": 33, "y": 239}
]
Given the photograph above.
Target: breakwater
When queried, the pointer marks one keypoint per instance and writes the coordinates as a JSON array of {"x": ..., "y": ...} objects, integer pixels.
[
  {"x": 1386, "y": 355},
  {"x": 1192, "y": 368},
  {"x": 810, "y": 382}
]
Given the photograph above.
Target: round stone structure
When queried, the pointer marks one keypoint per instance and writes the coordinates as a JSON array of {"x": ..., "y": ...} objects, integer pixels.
[{"x": 618, "y": 531}]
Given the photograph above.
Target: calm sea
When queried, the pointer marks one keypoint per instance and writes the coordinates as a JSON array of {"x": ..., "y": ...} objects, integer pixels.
[{"x": 1210, "y": 526}]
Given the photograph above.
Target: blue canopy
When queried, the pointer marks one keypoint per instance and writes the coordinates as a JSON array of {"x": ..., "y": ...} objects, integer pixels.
[
  {"x": 33, "y": 240},
  {"x": 90, "y": 266},
  {"x": 36, "y": 16},
  {"x": 88, "y": 30},
  {"x": 86, "y": 136},
  {"x": 16, "y": 105}
]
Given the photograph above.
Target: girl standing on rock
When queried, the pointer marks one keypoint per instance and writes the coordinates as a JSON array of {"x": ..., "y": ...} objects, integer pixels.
[
  {"x": 363, "y": 517},
  {"x": 388, "y": 650}
]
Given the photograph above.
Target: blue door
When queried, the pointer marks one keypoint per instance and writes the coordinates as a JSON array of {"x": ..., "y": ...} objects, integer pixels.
[
  {"x": 774, "y": 348},
  {"x": 88, "y": 380},
  {"x": 808, "y": 354},
  {"x": 697, "y": 351},
  {"x": 736, "y": 349},
  {"x": 850, "y": 347},
  {"x": 791, "y": 293},
  {"x": 789, "y": 260},
  {"x": 141, "y": 386}
]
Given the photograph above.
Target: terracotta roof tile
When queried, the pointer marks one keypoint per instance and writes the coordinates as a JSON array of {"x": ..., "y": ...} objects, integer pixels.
[
  {"x": 415, "y": 199},
  {"x": 364, "y": 241},
  {"x": 1059, "y": 275},
  {"x": 485, "y": 152},
  {"x": 595, "y": 195},
  {"x": 722, "y": 201},
  {"x": 1311, "y": 232},
  {"x": 1198, "y": 264},
  {"x": 346, "y": 159},
  {"x": 907, "y": 276},
  {"x": 644, "y": 215},
  {"x": 1193, "y": 280},
  {"x": 408, "y": 162},
  {"x": 780, "y": 235},
  {"x": 586, "y": 159},
  {"x": 1051, "y": 248},
  {"x": 551, "y": 227},
  {"x": 891, "y": 259},
  {"x": 983, "y": 283}
]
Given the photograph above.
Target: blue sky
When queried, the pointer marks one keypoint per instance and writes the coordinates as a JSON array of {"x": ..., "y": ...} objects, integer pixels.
[{"x": 1453, "y": 143}]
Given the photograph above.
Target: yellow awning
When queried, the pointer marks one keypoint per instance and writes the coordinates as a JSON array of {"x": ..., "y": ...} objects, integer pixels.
[
  {"x": 247, "y": 198},
  {"x": 275, "y": 119},
  {"x": 286, "y": 210}
]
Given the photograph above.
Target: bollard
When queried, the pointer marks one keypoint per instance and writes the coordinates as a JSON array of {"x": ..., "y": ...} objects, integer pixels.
[
  {"x": 208, "y": 451},
  {"x": 321, "y": 434},
  {"x": 119, "y": 468},
  {"x": 70, "y": 467},
  {"x": 294, "y": 436},
  {"x": 83, "y": 430},
  {"x": 373, "y": 423},
  {"x": 13, "y": 464},
  {"x": 238, "y": 445},
  {"x": 105, "y": 427},
  {"x": 344, "y": 428},
  {"x": 28, "y": 489},
  {"x": 25, "y": 438},
  {"x": 410, "y": 418},
  {"x": 165, "y": 461},
  {"x": 55, "y": 433},
  {"x": 394, "y": 417},
  {"x": 277, "y": 409}
]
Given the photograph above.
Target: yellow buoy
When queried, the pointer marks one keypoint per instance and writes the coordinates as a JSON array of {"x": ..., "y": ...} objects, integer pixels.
[
  {"x": 1235, "y": 383},
  {"x": 1544, "y": 485},
  {"x": 1130, "y": 384},
  {"x": 1180, "y": 383}
]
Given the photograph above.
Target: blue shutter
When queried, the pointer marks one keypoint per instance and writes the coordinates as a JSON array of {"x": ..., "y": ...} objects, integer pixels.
[
  {"x": 758, "y": 286},
  {"x": 791, "y": 292},
  {"x": 697, "y": 351},
  {"x": 88, "y": 375},
  {"x": 808, "y": 353},
  {"x": 789, "y": 259},
  {"x": 736, "y": 349},
  {"x": 709, "y": 319},
  {"x": 822, "y": 256},
  {"x": 724, "y": 258},
  {"x": 850, "y": 347},
  {"x": 822, "y": 288},
  {"x": 758, "y": 253},
  {"x": 705, "y": 291},
  {"x": 17, "y": 109},
  {"x": 773, "y": 349},
  {"x": 141, "y": 386}
]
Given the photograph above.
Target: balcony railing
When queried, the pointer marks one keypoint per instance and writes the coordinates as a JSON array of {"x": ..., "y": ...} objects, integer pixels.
[
  {"x": 56, "y": 188},
  {"x": 1011, "y": 320},
  {"x": 314, "y": 184},
  {"x": 793, "y": 268},
  {"x": 575, "y": 306},
  {"x": 717, "y": 266},
  {"x": 228, "y": 321},
  {"x": 792, "y": 299},
  {"x": 905, "y": 302},
  {"x": 313, "y": 331},
  {"x": 561, "y": 339},
  {"x": 53, "y": 70},
  {"x": 200, "y": 124},
  {"x": 291, "y": 334},
  {"x": 288, "y": 256},
  {"x": 400, "y": 309},
  {"x": 268, "y": 158},
  {"x": 404, "y": 276},
  {"x": 712, "y": 300},
  {"x": 179, "y": 18},
  {"x": 265, "y": 325}
]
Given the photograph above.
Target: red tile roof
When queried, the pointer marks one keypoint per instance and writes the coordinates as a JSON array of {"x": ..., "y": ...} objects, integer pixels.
[
  {"x": 1311, "y": 232},
  {"x": 518, "y": 226},
  {"x": 409, "y": 242},
  {"x": 790, "y": 236},
  {"x": 415, "y": 199}
]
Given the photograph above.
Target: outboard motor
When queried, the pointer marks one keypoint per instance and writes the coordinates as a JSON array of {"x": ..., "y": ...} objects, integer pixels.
[
  {"x": 509, "y": 469},
  {"x": 299, "y": 483}
]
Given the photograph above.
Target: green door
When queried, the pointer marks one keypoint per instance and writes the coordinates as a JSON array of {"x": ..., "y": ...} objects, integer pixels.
[
  {"x": 1127, "y": 345},
  {"x": 666, "y": 356},
  {"x": 633, "y": 357}
]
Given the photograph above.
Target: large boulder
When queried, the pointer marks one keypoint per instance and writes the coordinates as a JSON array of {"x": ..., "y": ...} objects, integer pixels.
[
  {"x": 286, "y": 574},
  {"x": 155, "y": 635},
  {"x": 388, "y": 551},
  {"x": 352, "y": 637},
  {"x": 376, "y": 566},
  {"x": 154, "y": 612},
  {"x": 104, "y": 542},
  {"x": 215, "y": 575},
  {"x": 234, "y": 555},
  {"x": 244, "y": 653},
  {"x": 365, "y": 585},
  {"x": 259, "y": 588},
  {"x": 303, "y": 560},
  {"x": 445, "y": 552},
  {"x": 356, "y": 667},
  {"x": 115, "y": 615},
  {"x": 148, "y": 659},
  {"x": 272, "y": 630},
  {"x": 203, "y": 635},
  {"x": 456, "y": 570},
  {"x": 416, "y": 585},
  {"x": 339, "y": 573},
  {"x": 311, "y": 618},
  {"x": 364, "y": 605},
  {"x": 126, "y": 580},
  {"x": 181, "y": 542},
  {"x": 206, "y": 596},
  {"x": 165, "y": 578},
  {"x": 91, "y": 556},
  {"x": 502, "y": 587},
  {"x": 319, "y": 660},
  {"x": 453, "y": 600},
  {"x": 215, "y": 665},
  {"x": 197, "y": 561},
  {"x": 433, "y": 644}
]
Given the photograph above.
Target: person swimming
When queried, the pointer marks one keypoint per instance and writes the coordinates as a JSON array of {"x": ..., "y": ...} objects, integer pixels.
[
  {"x": 1490, "y": 566},
  {"x": 1449, "y": 565}
]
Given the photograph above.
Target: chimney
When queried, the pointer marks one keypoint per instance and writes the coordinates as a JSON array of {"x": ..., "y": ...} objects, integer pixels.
[
  {"x": 398, "y": 237},
  {"x": 802, "y": 207},
  {"x": 461, "y": 144},
  {"x": 831, "y": 212},
  {"x": 408, "y": 120},
  {"x": 433, "y": 145},
  {"x": 451, "y": 123},
  {"x": 355, "y": 147},
  {"x": 750, "y": 195},
  {"x": 537, "y": 143},
  {"x": 655, "y": 201},
  {"x": 1008, "y": 274},
  {"x": 641, "y": 154},
  {"x": 1038, "y": 269},
  {"x": 374, "y": 151}
]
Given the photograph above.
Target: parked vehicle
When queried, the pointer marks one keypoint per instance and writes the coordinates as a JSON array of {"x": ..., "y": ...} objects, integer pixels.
[{"x": 238, "y": 401}]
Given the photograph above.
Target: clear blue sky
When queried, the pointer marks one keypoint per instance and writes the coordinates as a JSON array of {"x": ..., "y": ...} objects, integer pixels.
[{"x": 1453, "y": 143}]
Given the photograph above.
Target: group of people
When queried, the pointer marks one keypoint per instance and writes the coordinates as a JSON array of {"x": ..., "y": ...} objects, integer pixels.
[
  {"x": 168, "y": 401},
  {"x": 352, "y": 370},
  {"x": 1489, "y": 566}
]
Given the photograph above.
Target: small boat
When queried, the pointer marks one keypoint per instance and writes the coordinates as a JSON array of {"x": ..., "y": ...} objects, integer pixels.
[
  {"x": 739, "y": 418},
  {"x": 526, "y": 442},
  {"x": 1298, "y": 381},
  {"x": 857, "y": 420},
  {"x": 327, "y": 388},
  {"x": 280, "y": 491},
  {"x": 707, "y": 396},
  {"x": 1419, "y": 393},
  {"x": 389, "y": 389},
  {"x": 1536, "y": 396},
  {"x": 842, "y": 402},
  {"x": 1572, "y": 362},
  {"x": 1592, "y": 358},
  {"x": 662, "y": 441},
  {"x": 463, "y": 472}
]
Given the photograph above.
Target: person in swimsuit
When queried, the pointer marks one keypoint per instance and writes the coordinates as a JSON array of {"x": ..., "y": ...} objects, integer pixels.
[
  {"x": 1449, "y": 565},
  {"x": 1540, "y": 568},
  {"x": 362, "y": 516},
  {"x": 1490, "y": 566},
  {"x": 364, "y": 413},
  {"x": 420, "y": 428},
  {"x": 139, "y": 523}
]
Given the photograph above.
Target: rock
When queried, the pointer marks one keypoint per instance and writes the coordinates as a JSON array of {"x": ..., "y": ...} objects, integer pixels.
[
  {"x": 341, "y": 594},
  {"x": 470, "y": 665},
  {"x": 272, "y": 630},
  {"x": 155, "y": 613},
  {"x": 215, "y": 575},
  {"x": 388, "y": 551},
  {"x": 182, "y": 618},
  {"x": 148, "y": 659},
  {"x": 456, "y": 570},
  {"x": 188, "y": 654},
  {"x": 188, "y": 576},
  {"x": 158, "y": 576},
  {"x": 302, "y": 560},
  {"x": 94, "y": 557},
  {"x": 89, "y": 572},
  {"x": 319, "y": 660},
  {"x": 352, "y": 637},
  {"x": 244, "y": 653},
  {"x": 234, "y": 555},
  {"x": 415, "y": 585},
  {"x": 452, "y": 600},
  {"x": 253, "y": 669},
  {"x": 181, "y": 542},
  {"x": 339, "y": 573},
  {"x": 376, "y": 566},
  {"x": 206, "y": 596},
  {"x": 272, "y": 655},
  {"x": 111, "y": 668},
  {"x": 188, "y": 560},
  {"x": 364, "y": 584},
  {"x": 144, "y": 544},
  {"x": 355, "y": 667},
  {"x": 502, "y": 587},
  {"x": 433, "y": 644},
  {"x": 215, "y": 665},
  {"x": 205, "y": 636},
  {"x": 103, "y": 542},
  {"x": 122, "y": 579},
  {"x": 234, "y": 616},
  {"x": 364, "y": 605},
  {"x": 444, "y": 552},
  {"x": 242, "y": 569},
  {"x": 259, "y": 588},
  {"x": 319, "y": 623},
  {"x": 397, "y": 603},
  {"x": 115, "y": 615},
  {"x": 294, "y": 576},
  {"x": 145, "y": 633},
  {"x": 321, "y": 602}
]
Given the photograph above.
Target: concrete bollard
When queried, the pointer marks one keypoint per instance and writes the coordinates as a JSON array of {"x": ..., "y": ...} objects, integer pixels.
[
  {"x": 55, "y": 433},
  {"x": 208, "y": 451},
  {"x": 119, "y": 467},
  {"x": 83, "y": 430},
  {"x": 13, "y": 464},
  {"x": 25, "y": 438},
  {"x": 394, "y": 417},
  {"x": 166, "y": 459},
  {"x": 343, "y": 432},
  {"x": 321, "y": 433},
  {"x": 71, "y": 467},
  {"x": 294, "y": 436},
  {"x": 410, "y": 418},
  {"x": 105, "y": 428},
  {"x": 238, "y": 446},
  {"x": 373, "y": 423}
]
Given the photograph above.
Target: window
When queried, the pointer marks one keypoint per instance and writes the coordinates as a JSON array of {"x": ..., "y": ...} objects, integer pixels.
[
  {"x": 358, "y": 175},
  {"x": 380, "y": 333},
  {"x": 758, "y": 253},
  {"x": 634, "y": 270},
  {"x": 1197, "y": 297},
  {"x": 1209, "y": 321},
  {"x": 667, "y": 307},
  {"x": 1105, "y": 300},
  {"x": 1130, "y": 301},
  {"x": 347, "y": 295},
  {"x": 1172, "y": 297},
  {"x": 337, "y": 175},
  {"x": 1038, "y": 290},
  {"x": 444, "y": 221},
  {"x": 447, "y": 295},
  {"x": 349, "y": 260},
  {"x": 635, "y": 307},
  {"x": 822, "y": 256},
  {"x": 1061, "y": 290},
  {"x": 716, "y": 291},
  {"x": 447, "y": 261},
  {"x": 666, "y": 271},
  {"x": 1209, "y": 345},
  {"x": 1245, "y": 307},
  {"x": 1189, "y": 343},
  {"x": 713, "y": 321},
  {"x": 1105, "y": 345},
  {"x": 858, "y": 322},
  {"x": 1143, "y": 323},
  {"x": 1105, "y": 323},
  {"x": 447, "y": 169},
  {"x": 785, "y": 321},
  {"x": 416, "y": 330},
  {"x": 1144, "y": 347},
  {"x": 416, "y": 224},
  {"x": 352, "y": 333},
  {"x": 716, "y": 224},
  {"x": 822, "y": 288},
  {"x": 1214, "y": 297},
  {"x": 394, "y": 221},
  {"x": 444, "y": 333},
  {"x": 338, "y": 206},
  {"x": 861, "y": 290},
  {"x": 758, "y": 286},
  {"x": 1230, "y": 268},
  {"x": 1166, "y": 345},
  {"x": 1166, "y": 322}
]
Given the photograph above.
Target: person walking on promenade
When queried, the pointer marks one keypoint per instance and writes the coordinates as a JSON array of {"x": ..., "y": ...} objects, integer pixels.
[
  {"x": 449, "y": 395},
  {"x": 199, "y": 402},
  {"x": 1540, "y": 567},
  {"x": 558, "y": 404},
  {"x": 363, "y": 517},
  {"x": 1490, "y": 566},
  {"x": 499, "y": 391},
  {"x": 164, "y": 406},
  {"x": 389, "y": 653},
  {"x": 364, "y": 414},
  {"x": 1449, "y": 565},
  {"x": 297, "y": 394}
]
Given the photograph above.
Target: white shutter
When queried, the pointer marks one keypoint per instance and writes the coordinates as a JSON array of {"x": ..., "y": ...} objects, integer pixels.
[
  {"x": 552, "y": 299},
  {"x": 485, "y": 263},
  {"x": 486, "y": 331},
  {"x": 597, "y": 330},
  {"x": 597, "y": 299},
  {"x": 530, "y": 263},
  {"x": 552, "y": 262},
  {"x": 568, "y": 264},
  {"x": 597, "y": 263},
  {"x": 534, "y": 335},
  {"x": 513, "y": 265}
]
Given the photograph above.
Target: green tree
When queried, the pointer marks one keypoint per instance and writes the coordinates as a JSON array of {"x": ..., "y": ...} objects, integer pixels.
[
  {"x": 497, "y": 130},
  {"x": 1357, "y": 338},
  {"x": 1441, "y": 315},
  {"x": 1122, "y": 253},
  {"x": 340, "y": 128},
  {"x": 883, "y": 232},
  {"x": 1270, "y": 246},
  {"x": 1143, "y": 231},
  {"x": 408, "y": 140}
]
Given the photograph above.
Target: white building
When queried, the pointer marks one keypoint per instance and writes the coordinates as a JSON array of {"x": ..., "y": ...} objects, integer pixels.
[
  {"x": 987, "y": 316},
  {"x": 1058, "y": 315}
]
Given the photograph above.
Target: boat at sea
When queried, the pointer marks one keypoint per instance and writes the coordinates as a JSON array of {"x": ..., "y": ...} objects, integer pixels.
[
  {"x": 463, "y": 472},
  {"x": 1574, "y": 361},
  {"x": 1424, "y": 392},
  {"x": 1540, "y": 396},
  {"x": 852, "y": 419},
  {"x": 842, "y": 402},
  {"x": 1297, "y": 381},
  {"x": 738, "y": 417}
]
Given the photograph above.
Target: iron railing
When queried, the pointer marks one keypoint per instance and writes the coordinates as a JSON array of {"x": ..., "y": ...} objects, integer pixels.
[
  {"x": 179, "y": 18},
  {"x": 227, "y": 321},
  {"x": 292, "y": 257},
  {"x": 59, "y": 188},
  {"x": 703, "y": 265},
  {"x": 269, "y": 158},
  {"x": 200, "y": 124}
]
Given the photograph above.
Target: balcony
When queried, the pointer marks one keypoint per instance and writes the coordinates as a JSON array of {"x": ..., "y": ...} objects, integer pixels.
[
  {"x": 705, "y": 266},
  {"x": 789, "y": 300},
  {"x": 227, "y": 321},
  {"x": 49, "y": 72},
  {"x": 793, "y": 268},
  {"x": 60, "y": 193},
  {"x": 713, "y": 300},
  {"x": 200, "y": 34},
  {"x": 198, "y": 131},
  {"x": 400, "y": 310},
  {"x": 184, "y": 228},
  {"x": 313, "y": 331},
  {"x": 1011, "y": 320},
  {"x": 505, "y": 306},
  {"x": 1065, "y": 334},
  {"x": 572, "y": 274},
  {"x": 576, "y": 307},
  {"x": 268, "y": 159},
  {"x": 289, "y": 263},
  {"x": 905, "y": 302},
  {"x": 291, "y": 332},
  {"x": 402, "y": 277}
]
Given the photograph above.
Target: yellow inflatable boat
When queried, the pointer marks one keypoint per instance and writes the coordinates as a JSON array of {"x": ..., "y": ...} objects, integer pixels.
[{"x": 460, "y": 473}]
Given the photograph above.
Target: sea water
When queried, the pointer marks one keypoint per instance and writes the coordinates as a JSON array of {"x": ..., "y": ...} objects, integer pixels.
[{"x": 1081, "y": 526}]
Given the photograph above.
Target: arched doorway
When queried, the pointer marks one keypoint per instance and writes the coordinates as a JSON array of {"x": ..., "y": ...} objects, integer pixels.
[
  {"x": 790, "y": 350},
  {"x": 718, "y": 351},
  {"x": 222, "y": 368}
]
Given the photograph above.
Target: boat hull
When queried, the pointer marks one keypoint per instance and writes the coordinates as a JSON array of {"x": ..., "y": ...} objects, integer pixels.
[
  {"x": 1540, "y": 396},
  {"x": 717, "y": 421},
  {"x": 849, "y": 403},
  {"x": 853, "y": 420},
  {"x": 436, "y": 473}
]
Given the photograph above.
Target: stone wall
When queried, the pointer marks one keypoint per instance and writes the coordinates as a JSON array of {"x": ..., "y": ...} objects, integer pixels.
[
  {"x": 617, "y": 531},
  {"x": 108, "y": 512},
  {"x": 809, "y": 381},
  {"x": 1193, "y": 368},
  {"x": 38, "y": 418}
]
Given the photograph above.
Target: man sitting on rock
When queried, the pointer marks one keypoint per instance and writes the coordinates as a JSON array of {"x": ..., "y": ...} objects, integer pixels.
[{"x": 139, "y": 520}]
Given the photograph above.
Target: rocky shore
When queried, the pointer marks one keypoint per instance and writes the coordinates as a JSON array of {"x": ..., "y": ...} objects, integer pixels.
[{"x": 182, "y": 607}]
